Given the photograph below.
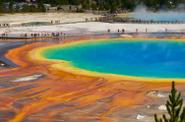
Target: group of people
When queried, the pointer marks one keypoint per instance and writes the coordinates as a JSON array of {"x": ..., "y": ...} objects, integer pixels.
[
  {"x": 36, "y": 35},
  {"x": 119, "y": 30},
  {"x": 136, "y": 30},
  {"x": 55, "y": 22},
  {"x": 92, "y": 19},
  {"x": 4, "y": 25}
]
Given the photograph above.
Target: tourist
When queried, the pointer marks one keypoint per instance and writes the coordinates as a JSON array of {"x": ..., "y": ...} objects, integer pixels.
[{"x": 123, "y": 30}]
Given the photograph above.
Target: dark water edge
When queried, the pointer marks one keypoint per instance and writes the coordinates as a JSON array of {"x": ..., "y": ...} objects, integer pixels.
[{"x": 4, "y": 48}]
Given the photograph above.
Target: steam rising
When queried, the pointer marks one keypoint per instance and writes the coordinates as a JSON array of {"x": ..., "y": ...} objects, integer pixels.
[{"x": 142, "y": 13}]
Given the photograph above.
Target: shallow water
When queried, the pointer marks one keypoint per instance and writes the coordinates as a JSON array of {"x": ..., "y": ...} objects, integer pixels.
[
  {"x": 158, "y": 16},
  {"x": 156, "y": 59}
]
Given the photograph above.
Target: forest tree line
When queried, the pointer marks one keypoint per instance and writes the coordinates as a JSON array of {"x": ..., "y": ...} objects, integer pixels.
[{"x": 110, "y": 5}]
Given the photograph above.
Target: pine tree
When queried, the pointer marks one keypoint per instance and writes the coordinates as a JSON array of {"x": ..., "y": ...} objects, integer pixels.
[
  {"x": 11, "y": 5},
  {"x": 40, "y": 5},
  {"x": 176, "y": 113}
]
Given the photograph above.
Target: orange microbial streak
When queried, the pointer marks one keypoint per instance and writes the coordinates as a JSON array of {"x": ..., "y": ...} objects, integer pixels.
[{"x": 62, "y": 95}]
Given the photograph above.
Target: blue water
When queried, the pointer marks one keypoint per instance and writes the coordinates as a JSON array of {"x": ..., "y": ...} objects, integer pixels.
[
  {"x": 159, "y": 16},
  {"x": 154, "y": 59}
]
